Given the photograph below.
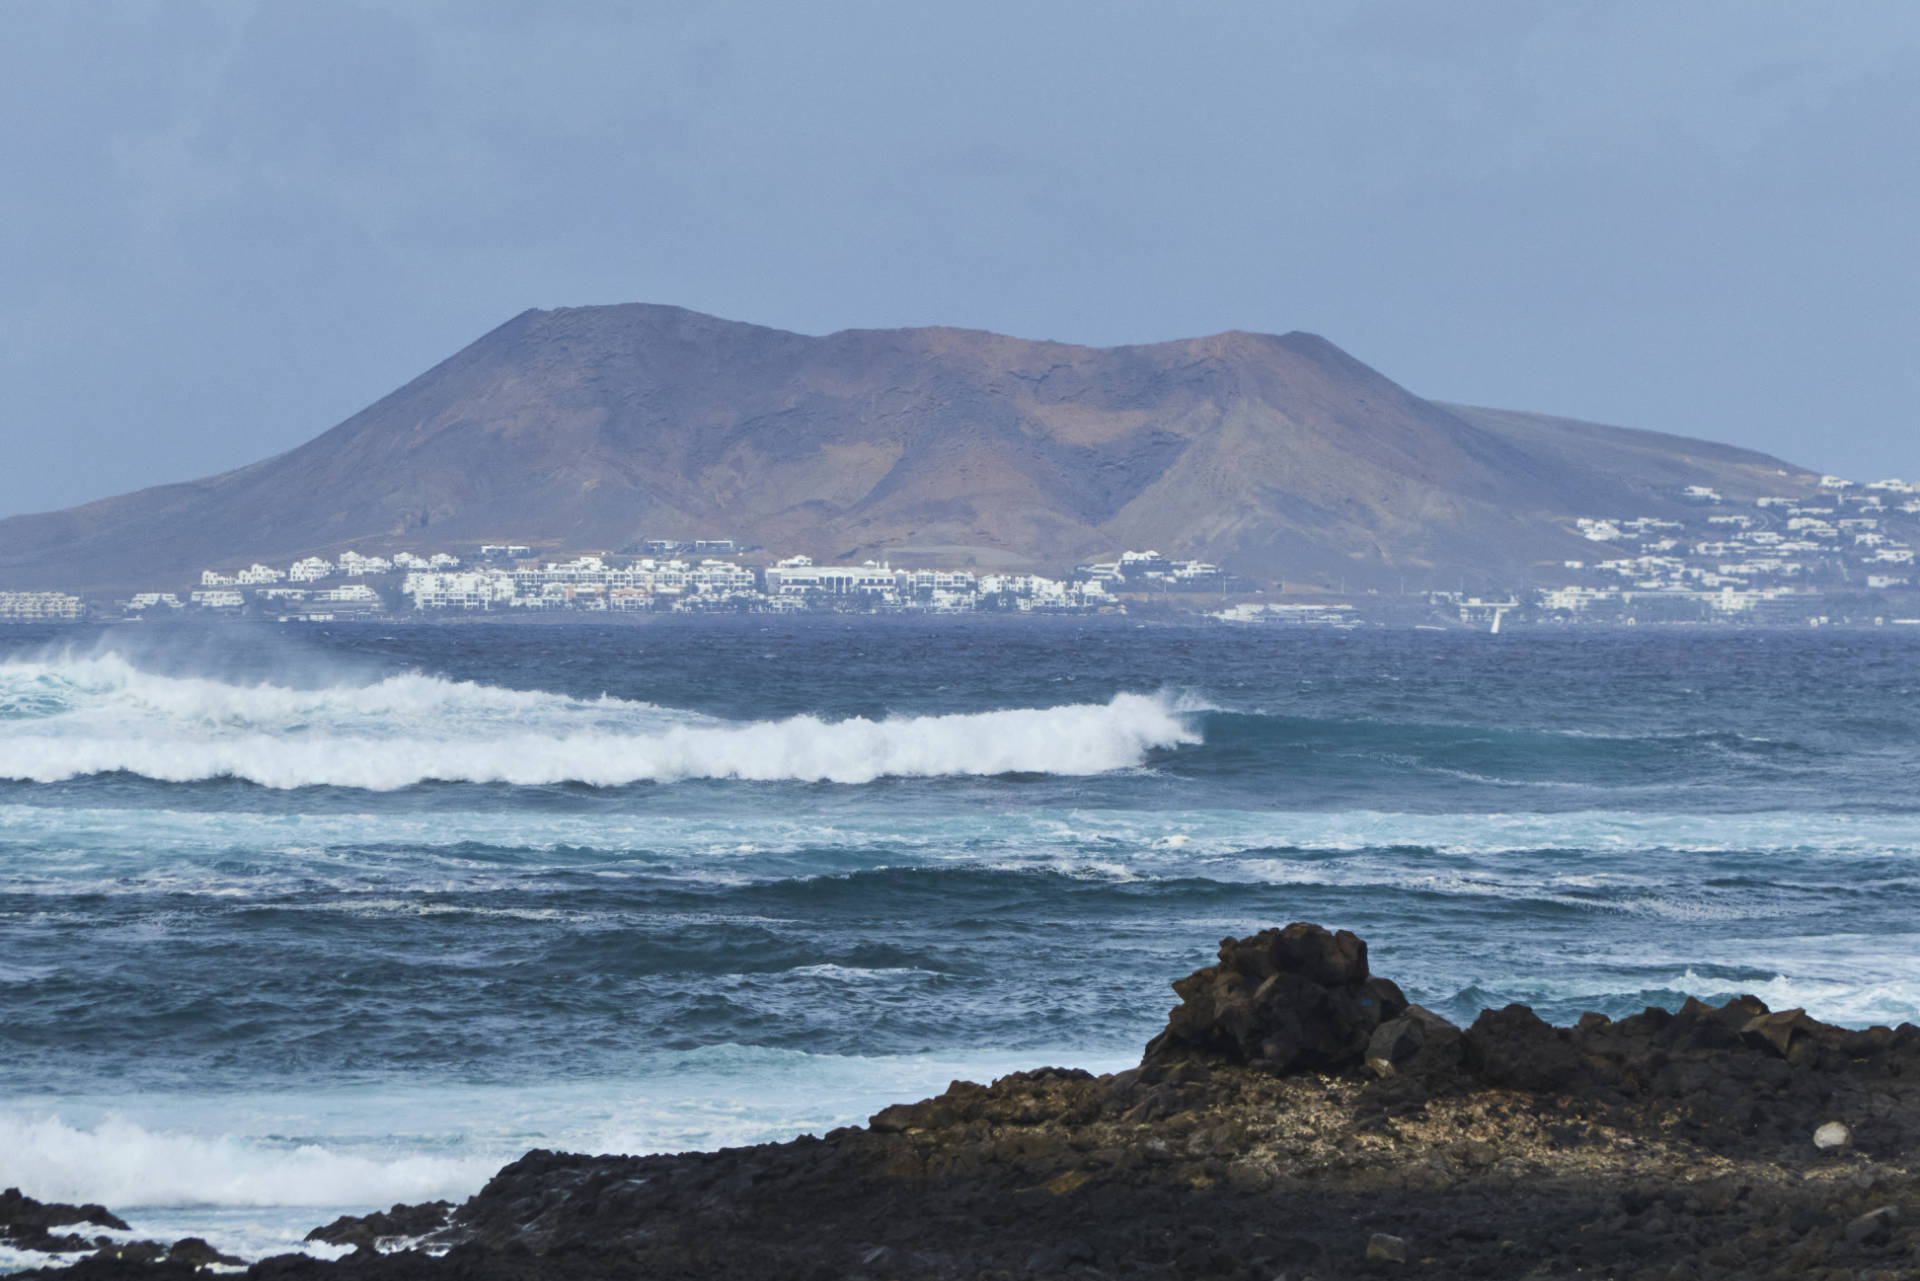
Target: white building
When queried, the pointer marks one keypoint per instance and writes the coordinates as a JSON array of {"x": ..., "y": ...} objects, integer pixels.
[
  {"x": 721, "y": 578},
  {"x": 354, "y": 565},
  {"x": 473, "y": 589},
  {"x": 310, "y": 570},
  {"x": 927, "y": 582},
  {"x": 791, "y": 578}
]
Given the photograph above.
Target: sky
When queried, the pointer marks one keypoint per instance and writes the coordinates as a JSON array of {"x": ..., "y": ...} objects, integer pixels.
[{"x": 226, "y": 226}]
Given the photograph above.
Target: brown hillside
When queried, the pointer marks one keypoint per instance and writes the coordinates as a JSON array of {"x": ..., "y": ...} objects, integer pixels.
[{"x": 591, "y": 427}]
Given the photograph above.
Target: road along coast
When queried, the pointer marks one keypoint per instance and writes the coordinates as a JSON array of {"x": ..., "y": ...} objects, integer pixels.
[{"x": 1296, "y": 1118}]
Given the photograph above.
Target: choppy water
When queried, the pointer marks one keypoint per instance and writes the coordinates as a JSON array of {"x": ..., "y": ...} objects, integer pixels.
[{"x": 295, "y": 922}]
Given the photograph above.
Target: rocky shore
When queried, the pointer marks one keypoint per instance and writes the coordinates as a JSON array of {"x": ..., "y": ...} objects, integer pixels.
[{"x": 1298, "y": 1118}]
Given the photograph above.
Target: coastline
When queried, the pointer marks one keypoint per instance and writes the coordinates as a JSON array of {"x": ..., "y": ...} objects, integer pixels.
[{"x": 1297, "y": 1117}]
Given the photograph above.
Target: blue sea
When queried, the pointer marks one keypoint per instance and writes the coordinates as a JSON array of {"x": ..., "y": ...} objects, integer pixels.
[{"x": 298, "y": 921}]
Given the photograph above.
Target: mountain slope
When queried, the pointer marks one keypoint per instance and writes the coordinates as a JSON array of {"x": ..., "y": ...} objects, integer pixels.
[{"x": 1279, "y": 456}]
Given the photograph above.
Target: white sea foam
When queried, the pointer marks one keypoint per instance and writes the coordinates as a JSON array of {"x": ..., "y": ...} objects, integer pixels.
[
  {"x": 71, "y": 718},
  {"x": 1624, "y": 856},
  {"x": 1172, "y": 838},
  {"x": 119, "y": 1162}
]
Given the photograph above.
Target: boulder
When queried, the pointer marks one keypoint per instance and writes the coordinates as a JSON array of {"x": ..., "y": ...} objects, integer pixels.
[
  {"x": 196, "y": 1253},
  {"x": 1778, "y": 1031},
  {"x": 1418, "y": 1041},
  {"x": 1515, "y": 1047},
  {"x": 1297, "y": 999}
]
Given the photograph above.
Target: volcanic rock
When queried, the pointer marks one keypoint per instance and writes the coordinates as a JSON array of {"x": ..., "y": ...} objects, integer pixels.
[
  {"x": 1780, "y": 1030},
  {"x": 1516, "y": 1047},
  {"x": 372, "y": 1231},
  {"x": 1875, "y": 1227},
  {"x": 28, "y": 1224},
  {"x": 1280, "y": 1001},
  {"x": 1384, "y": 1245},
  {"x": 1417, "y": 1041}
]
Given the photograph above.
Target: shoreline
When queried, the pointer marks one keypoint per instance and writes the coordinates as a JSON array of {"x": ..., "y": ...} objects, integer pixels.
[{"x": 1297, "y": 1117}]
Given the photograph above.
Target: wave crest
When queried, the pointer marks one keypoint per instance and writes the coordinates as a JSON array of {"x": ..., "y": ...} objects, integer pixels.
[
  {"x": 102, "y": 715},
  {"x": 122, "y": 1163}
]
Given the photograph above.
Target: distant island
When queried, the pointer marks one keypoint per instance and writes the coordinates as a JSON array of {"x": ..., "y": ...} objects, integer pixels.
[{"x": 642, "y": 458}]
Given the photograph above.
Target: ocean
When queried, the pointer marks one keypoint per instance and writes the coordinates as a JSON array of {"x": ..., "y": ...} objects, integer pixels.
[{"x": 302, "y": 921}]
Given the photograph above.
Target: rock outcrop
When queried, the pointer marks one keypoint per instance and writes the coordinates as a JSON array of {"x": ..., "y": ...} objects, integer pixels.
[
  {"x": 1281, "y": 1001},
  {"x": 27, "y": 1224},
  {"x": 385, "y": 1229}
]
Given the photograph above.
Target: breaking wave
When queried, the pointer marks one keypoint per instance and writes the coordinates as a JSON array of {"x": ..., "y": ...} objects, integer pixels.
[
  {"x": 68, "y": 719},
  {"x": 122, "y": 1163}
]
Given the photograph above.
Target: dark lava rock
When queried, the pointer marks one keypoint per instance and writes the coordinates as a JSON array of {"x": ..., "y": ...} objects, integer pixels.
[
  {"x": 401, "y": 1223},
  {"x": 1875, "y": 1227},
  {"x": 1418, "y": 1042},
  {"x": 1516, "y": 1047},
  {"x": 196, "y": 1253},
  {"x": 1281, "y": 1001},
  {"x": 28, "y": 1224}
]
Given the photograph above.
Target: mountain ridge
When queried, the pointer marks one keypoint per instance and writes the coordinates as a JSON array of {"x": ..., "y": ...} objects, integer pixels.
[{"x": 1282, "y": 457}]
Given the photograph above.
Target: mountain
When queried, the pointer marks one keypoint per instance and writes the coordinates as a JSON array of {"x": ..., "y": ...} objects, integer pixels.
[{"x": 1281, "y": 457}]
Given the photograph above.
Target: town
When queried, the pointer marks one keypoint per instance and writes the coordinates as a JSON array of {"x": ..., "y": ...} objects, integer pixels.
[
  {"x": 1845, "y": 553},
  {"x": 1774, "y": 559},
  {"x": 663, "y": 575}
]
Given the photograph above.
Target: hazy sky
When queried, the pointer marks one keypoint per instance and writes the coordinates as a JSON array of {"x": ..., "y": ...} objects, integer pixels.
[{"x": 226, "y": 226}]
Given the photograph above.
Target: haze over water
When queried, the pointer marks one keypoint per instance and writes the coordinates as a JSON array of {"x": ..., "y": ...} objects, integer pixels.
[{"x": 296, "y": 922}]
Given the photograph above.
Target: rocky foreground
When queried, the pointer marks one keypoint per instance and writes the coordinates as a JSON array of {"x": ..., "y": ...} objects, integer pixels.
[{"x": 1297, "y": 1118}]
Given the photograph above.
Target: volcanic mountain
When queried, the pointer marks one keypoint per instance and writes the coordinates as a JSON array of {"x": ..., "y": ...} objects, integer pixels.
[{"x": 588, "y": 428}]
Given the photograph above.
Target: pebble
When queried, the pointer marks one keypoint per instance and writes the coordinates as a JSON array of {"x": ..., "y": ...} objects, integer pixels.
[{"x": 1831, "y": 1135}]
